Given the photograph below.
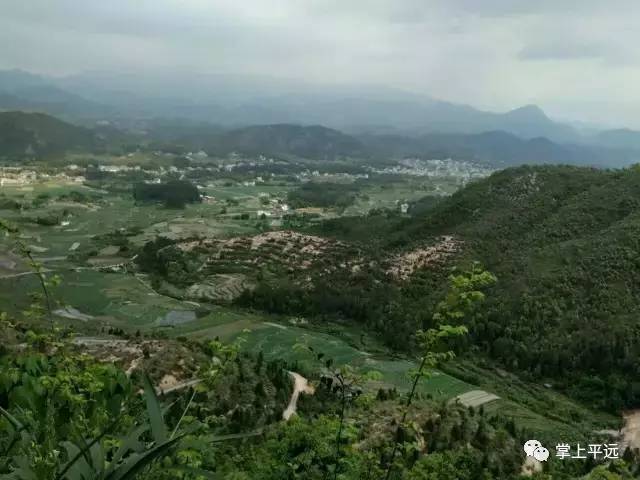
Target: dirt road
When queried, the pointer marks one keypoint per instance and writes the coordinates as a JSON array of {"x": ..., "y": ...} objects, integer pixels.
[
  {"x": 531, "y": 466},
  {"x": 301, "y": 385},
  {"x": 630, "y": 433}
]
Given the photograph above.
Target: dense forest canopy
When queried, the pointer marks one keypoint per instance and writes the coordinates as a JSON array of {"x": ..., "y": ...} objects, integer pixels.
[
  {"x": 174, "y": 193},
  {"x": 323, "y": 194}
]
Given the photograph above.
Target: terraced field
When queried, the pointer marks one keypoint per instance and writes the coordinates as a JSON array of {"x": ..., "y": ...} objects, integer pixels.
[
  {"x": 475, "y": 398},
  {"x": 274, "y": 251},
  {"x": 112, "y": 299},
  {"x": 278, "y": 340},
  {"x": 97, "y": 292},
  {"x": 218, "y": 288}
]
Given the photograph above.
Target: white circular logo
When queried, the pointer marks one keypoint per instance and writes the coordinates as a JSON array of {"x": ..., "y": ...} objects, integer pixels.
[
  {"x": 541, "y": 454},
  {"x": 530, "y": 447}
]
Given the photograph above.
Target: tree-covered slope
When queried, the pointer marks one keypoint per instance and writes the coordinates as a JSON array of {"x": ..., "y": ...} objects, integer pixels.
[
  {"x": 564, "y": 243},
  {"x": 305, "y": 141},
  {"x": 36, "y": 134}
]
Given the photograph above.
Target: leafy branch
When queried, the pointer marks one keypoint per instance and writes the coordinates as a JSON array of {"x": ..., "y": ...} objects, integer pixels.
[{"x": 462, "y": 301}]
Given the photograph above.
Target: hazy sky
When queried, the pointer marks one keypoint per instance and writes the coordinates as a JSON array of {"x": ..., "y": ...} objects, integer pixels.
[{"x": 576, "y": 58}]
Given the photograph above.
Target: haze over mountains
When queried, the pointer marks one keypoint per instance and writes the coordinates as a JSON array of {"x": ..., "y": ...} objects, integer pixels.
[{"x": 374, "y": 121}]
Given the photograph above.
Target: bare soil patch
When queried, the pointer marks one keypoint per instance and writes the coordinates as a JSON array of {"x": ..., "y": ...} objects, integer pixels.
[{"x": 405, "y": 264}]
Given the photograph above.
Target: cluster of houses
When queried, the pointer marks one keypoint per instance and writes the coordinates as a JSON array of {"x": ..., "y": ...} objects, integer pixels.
[
  {"x": 276, "y": 209},
  {"x": 307, "y": 175},
  {"x": 462, "y": 170},
  {"x": 18, "y": 176}
]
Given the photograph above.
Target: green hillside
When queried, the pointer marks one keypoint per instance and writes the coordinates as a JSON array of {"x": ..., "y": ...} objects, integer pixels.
[
  {"x": 36, "y": 134},
  {"x": 314, "y": 142},
  {"x": 563, "y": 242}
]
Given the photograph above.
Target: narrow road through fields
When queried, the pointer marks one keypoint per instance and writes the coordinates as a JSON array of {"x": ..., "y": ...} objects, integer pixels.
[{"x": 69, "y": 269}]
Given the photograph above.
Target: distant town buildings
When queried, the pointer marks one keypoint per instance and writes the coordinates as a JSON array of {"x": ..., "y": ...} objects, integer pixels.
[
  {"x": 18, "y": 176},
  {"x": 462, "y": 170}
]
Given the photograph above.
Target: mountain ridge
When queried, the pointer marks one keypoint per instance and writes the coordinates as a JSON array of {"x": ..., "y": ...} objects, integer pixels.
[
  {"x": 226, "y": 100},
  {"x": 497, "y": 149}
]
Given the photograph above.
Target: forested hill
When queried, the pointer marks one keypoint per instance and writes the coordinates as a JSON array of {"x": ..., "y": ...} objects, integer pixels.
[
  {"x": 314, "y": 141},
  {"x": 498, "y": 149},
  {"x": 27, "y": 135},
  {"x": 564, "y": 243},
  {"x": 36, "y": 134}
]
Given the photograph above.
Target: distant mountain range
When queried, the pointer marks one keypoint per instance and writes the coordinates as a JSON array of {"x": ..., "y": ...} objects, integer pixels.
[
  {"x": 499, "y": 149},
  {"x": 29, "y": 135},
  {"x": 221, "y": 114},
  {"x": 233, "y": 101}
]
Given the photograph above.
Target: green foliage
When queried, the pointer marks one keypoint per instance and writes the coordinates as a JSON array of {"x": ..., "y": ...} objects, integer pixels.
[
  {"x": 174, "y": 193},
  {"x": 615, "y": 470},
  {"x": 55, "y": 397},
  {"x": 461, "y": 302},
  {"x": 371, "y": 229},
  {"x": 464, "y": 296},
  {"x": 301, "y": 449},
  {"x": 48, "y": 220},
  {"x": 158, "y": 427},
  {"x": 325, "y": 195},
  {"x": 562, "y": 240},
  {"x": 69, "y": 416},
  {"x": 9, "y": 203}
]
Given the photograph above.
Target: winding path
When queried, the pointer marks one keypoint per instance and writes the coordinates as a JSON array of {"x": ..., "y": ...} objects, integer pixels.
[{"x": 300, "y": 385}]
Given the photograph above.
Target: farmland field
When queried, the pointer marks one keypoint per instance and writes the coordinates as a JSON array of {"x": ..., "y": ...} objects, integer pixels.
[
  {"x": 289, "y": 342},
  {"x": 392, "y": 194},
  {"x": 126, "y": 300}
]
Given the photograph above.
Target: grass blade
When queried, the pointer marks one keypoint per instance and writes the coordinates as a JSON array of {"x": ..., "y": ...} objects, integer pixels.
[
  {"x": 138, "y": 462},
  {"x": 12, "y": 420},
  {"x": 84, "y": 451},
  {"x": 158, "y": 428}
]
